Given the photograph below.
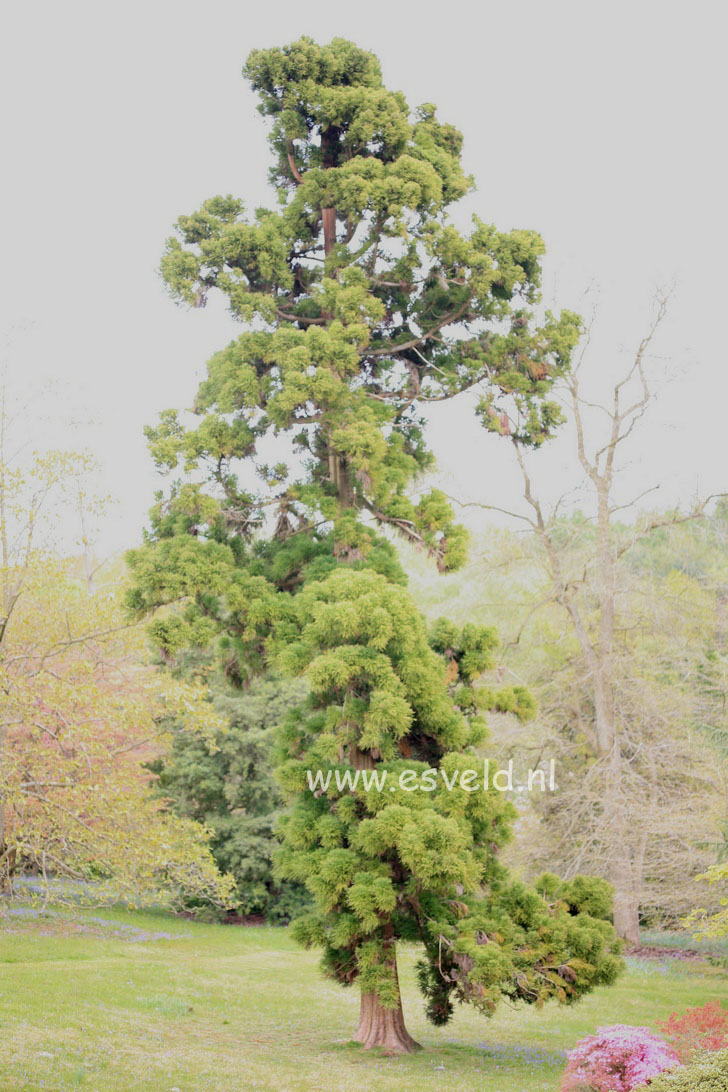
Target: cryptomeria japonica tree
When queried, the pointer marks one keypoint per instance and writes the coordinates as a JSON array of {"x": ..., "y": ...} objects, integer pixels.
[{"x": 362, "y": 303}]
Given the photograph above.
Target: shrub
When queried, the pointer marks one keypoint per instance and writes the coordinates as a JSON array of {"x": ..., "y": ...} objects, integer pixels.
[
  {"x": 706, "y": 1073},
  {"x": 697, "y": 1029},
  {"x": 227, "y": 784},
  {"x": 616, "y": 1059},
  {"x": 582, "y": 895}
]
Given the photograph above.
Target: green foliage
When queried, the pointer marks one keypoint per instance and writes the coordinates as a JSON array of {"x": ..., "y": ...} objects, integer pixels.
[
  {"x": 418, "y": 865},
  {"x": 224, "y": 781},
  {"x": 713, "y": 924},
  {"x": 368, "y": 303},
  {"x": 584, "y": 894},
  {"x": 470, "y": 649},
  {"x": 708, "y": 1073}
]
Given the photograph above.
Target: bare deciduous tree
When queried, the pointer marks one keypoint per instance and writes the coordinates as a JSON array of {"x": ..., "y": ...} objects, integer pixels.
[{"x": 633, "y": 754}]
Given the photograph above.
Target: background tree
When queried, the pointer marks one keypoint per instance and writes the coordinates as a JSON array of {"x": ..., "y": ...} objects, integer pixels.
[
  {"x": 79, "y": 717},
  {"x": 363, "y": 302},
  {"x": 669, "y": 669},
  {"x": 625, "y": 698},
  {"x": 225, "y": 781},
  {"x": 77, "y": 712}
]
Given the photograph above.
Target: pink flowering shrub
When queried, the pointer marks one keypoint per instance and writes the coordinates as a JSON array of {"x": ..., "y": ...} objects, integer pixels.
[{"x": 616, "y": 1059}]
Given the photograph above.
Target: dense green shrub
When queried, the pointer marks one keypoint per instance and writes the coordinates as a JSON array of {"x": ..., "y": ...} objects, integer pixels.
[
  {"x": 582, "y": 895},
  {"x": 707, "y": 1073},
  {"x": 227, "y": 784}
]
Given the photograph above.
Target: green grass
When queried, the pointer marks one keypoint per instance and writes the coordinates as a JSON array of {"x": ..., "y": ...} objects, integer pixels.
[{"x": 157, "y": 1003}]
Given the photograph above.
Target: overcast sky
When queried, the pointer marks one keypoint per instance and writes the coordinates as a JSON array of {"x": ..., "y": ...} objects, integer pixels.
[{"x": 599, "y": 125}]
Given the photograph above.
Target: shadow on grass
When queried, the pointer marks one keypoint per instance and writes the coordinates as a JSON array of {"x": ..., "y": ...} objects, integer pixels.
[{"x": 503, "y": 1056}]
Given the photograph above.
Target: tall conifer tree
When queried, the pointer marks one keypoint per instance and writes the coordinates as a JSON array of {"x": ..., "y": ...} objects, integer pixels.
[{"x": 362, "y": 302}]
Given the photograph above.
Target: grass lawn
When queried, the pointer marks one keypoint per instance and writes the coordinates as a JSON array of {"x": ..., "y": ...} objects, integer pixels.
[{"x": 117, "y": 1001}]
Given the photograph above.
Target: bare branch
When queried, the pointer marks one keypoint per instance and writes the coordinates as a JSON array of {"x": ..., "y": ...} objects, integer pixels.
[
  {"x": 394, "y": 349},
  {"x": 490, "y": 508},
  {"x": 668, "y": 521},
  {"x": 292, "y": 164}
]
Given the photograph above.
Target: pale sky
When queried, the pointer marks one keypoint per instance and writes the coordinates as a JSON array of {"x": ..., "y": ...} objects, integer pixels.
[{"x": 599, "y": 125}]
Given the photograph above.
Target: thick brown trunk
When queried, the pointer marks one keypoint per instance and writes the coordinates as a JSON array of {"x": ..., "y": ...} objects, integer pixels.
[
  {"x": 330, "y": 150},
  {"x": 361, "y": 760},
  {"x": 626, "y": 917},
  {"x": 340, "y": 479},
  {"x": 380, "y": 1027},
  {"x": 624, "y": 868},
  {"x": 626, "y": 914},
  {"x": 328, "y": 219}
]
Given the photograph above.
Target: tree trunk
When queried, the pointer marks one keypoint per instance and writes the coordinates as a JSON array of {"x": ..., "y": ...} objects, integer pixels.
[
  {"x": 624, "y": 870},
  {"x": 361, "y": 760},
  {"x": 330, "y": 150},
  {"x": 340, "y": 477},
  {"x": 7, "y": 855},
  {"x": 328, "y": 219},
  {"x": 622, "y": 875},
  {"x": 7, "y": 870},
  {"x": 380, "y": 1027},
  {"x": 626, "y": 915}
]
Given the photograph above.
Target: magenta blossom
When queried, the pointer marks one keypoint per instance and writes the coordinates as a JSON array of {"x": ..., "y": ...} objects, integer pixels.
[{"x": 616, "y": 1059}]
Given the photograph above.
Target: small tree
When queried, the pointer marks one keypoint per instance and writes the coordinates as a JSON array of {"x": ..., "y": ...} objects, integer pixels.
[
  {"x": 79, "y": 715},
  {"x": 77, "y": 712},
  {"x": 224, "y": 780},
  {"x": 364, "y": 302}
]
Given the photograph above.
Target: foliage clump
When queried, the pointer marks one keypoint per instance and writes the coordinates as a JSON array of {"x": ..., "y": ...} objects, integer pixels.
[
  {"x": 224, "y": 781},
  {"x": 706, "y": 1073},
  {"x": 414, "y": 865},
  {"x": 713, "y": 924},
  {"x": 583, "y": 894}
]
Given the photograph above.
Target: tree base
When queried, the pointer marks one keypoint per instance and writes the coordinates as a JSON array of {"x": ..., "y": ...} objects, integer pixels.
[
  {"x": 626, "y": 918},
  {"x": 380, "y": 1027}
]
